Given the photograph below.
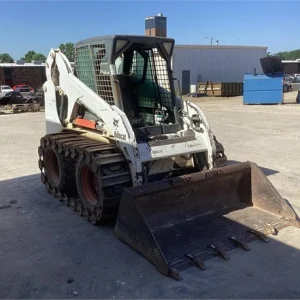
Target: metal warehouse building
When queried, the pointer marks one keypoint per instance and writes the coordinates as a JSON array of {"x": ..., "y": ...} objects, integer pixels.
[{"x": 199, "y": 63}]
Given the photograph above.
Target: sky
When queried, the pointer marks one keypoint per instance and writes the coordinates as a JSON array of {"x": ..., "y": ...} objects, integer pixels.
[{"x": 42, "y": 25}]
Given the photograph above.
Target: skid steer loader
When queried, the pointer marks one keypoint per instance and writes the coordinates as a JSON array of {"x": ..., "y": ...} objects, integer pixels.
[{"x": 121, "y": 144}]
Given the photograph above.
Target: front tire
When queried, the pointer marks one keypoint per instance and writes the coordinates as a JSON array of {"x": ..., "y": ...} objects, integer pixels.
[
  {"x": 100, "y": 183},
  {"x": 89, "y": 185}
]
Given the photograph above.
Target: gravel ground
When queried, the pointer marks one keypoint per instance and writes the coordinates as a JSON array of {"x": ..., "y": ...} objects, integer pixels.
[{"x": 47, "y": 251}]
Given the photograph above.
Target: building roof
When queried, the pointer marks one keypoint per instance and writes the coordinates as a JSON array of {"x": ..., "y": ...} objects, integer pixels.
[
  {"x": 5, "y": 65},
  {"x": 297, "y": 61},
  {"x": 221, "y": 47}
]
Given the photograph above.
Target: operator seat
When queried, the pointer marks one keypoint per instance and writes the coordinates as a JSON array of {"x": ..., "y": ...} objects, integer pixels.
[{"x": 128, "y": 94}]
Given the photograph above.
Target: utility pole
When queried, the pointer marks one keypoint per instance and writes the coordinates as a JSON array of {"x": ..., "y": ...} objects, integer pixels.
[{"x": 211, "y": 40}]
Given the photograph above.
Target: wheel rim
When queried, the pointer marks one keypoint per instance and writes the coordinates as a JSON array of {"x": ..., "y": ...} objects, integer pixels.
[
  {"x": 88, "y": 184},
  {"x": 52, "y": 166}
]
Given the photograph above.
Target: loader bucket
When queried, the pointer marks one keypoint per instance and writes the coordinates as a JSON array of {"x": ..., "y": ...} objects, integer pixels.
[{"x": 186, "y": 220}]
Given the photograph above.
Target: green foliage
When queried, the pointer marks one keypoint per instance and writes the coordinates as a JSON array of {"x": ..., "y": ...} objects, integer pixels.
[
  {"x": 288, "y": 55},
  {"x": 29, "y": 56},
  {"x": 68, "y": 50},
  {"x": 6, "y": 58},
  {"x": 39, "y": 56},
  {"x": 32, "y": 55}
]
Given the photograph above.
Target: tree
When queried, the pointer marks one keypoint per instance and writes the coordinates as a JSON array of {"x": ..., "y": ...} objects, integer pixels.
[
  {"x": 39, "y": 56},
  {"x": 6, "y": 58},
  {"x": 29, "y": 56},
  {"x": 68, "y": 50},
  {"x": 289, "y": 55},
  {"x": 32, "y": 55}
]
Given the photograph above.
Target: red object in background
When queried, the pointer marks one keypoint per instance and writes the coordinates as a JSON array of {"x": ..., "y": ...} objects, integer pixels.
[{"x": 23, "y": 86}]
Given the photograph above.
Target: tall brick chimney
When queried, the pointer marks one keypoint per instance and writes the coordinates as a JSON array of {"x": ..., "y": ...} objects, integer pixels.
[{"x": 156, "y": 26}]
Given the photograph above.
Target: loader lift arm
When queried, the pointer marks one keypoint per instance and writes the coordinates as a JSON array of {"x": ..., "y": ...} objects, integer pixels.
[{"x": 77, "y": 93}]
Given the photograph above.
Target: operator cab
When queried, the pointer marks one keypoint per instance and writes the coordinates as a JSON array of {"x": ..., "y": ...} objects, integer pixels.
[{"x": 134, "y": 73}]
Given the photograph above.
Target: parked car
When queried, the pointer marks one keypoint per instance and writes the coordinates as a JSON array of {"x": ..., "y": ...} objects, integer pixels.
[
  {"x": 287, "y": 86},
  {"x": 16, "y": 102},
  {"x": 29, "y": 105},
  {"x": 296, "y": 78},
  {"x": 25, "y": 91},
  {"x": 288, "y": 78},
  {"x": 23, "y": 86},
  {"x": 4, "y": 89},
  {"x": 12, "y": 98}
]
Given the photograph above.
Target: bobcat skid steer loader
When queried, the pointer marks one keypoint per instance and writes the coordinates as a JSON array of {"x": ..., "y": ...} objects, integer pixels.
[{"x": 122, "y": 145}]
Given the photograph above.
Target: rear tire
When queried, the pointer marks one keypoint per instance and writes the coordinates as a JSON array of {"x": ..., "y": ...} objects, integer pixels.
[
  {"x": 53, "y": 165},
  {"x": 57, "y": 170}
]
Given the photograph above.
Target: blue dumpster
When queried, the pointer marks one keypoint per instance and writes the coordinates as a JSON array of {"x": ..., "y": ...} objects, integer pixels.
[{"x": 263, "y": 88}]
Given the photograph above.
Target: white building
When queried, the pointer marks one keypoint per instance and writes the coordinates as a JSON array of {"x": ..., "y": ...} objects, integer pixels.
[{"x": 219, "y": 63}]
